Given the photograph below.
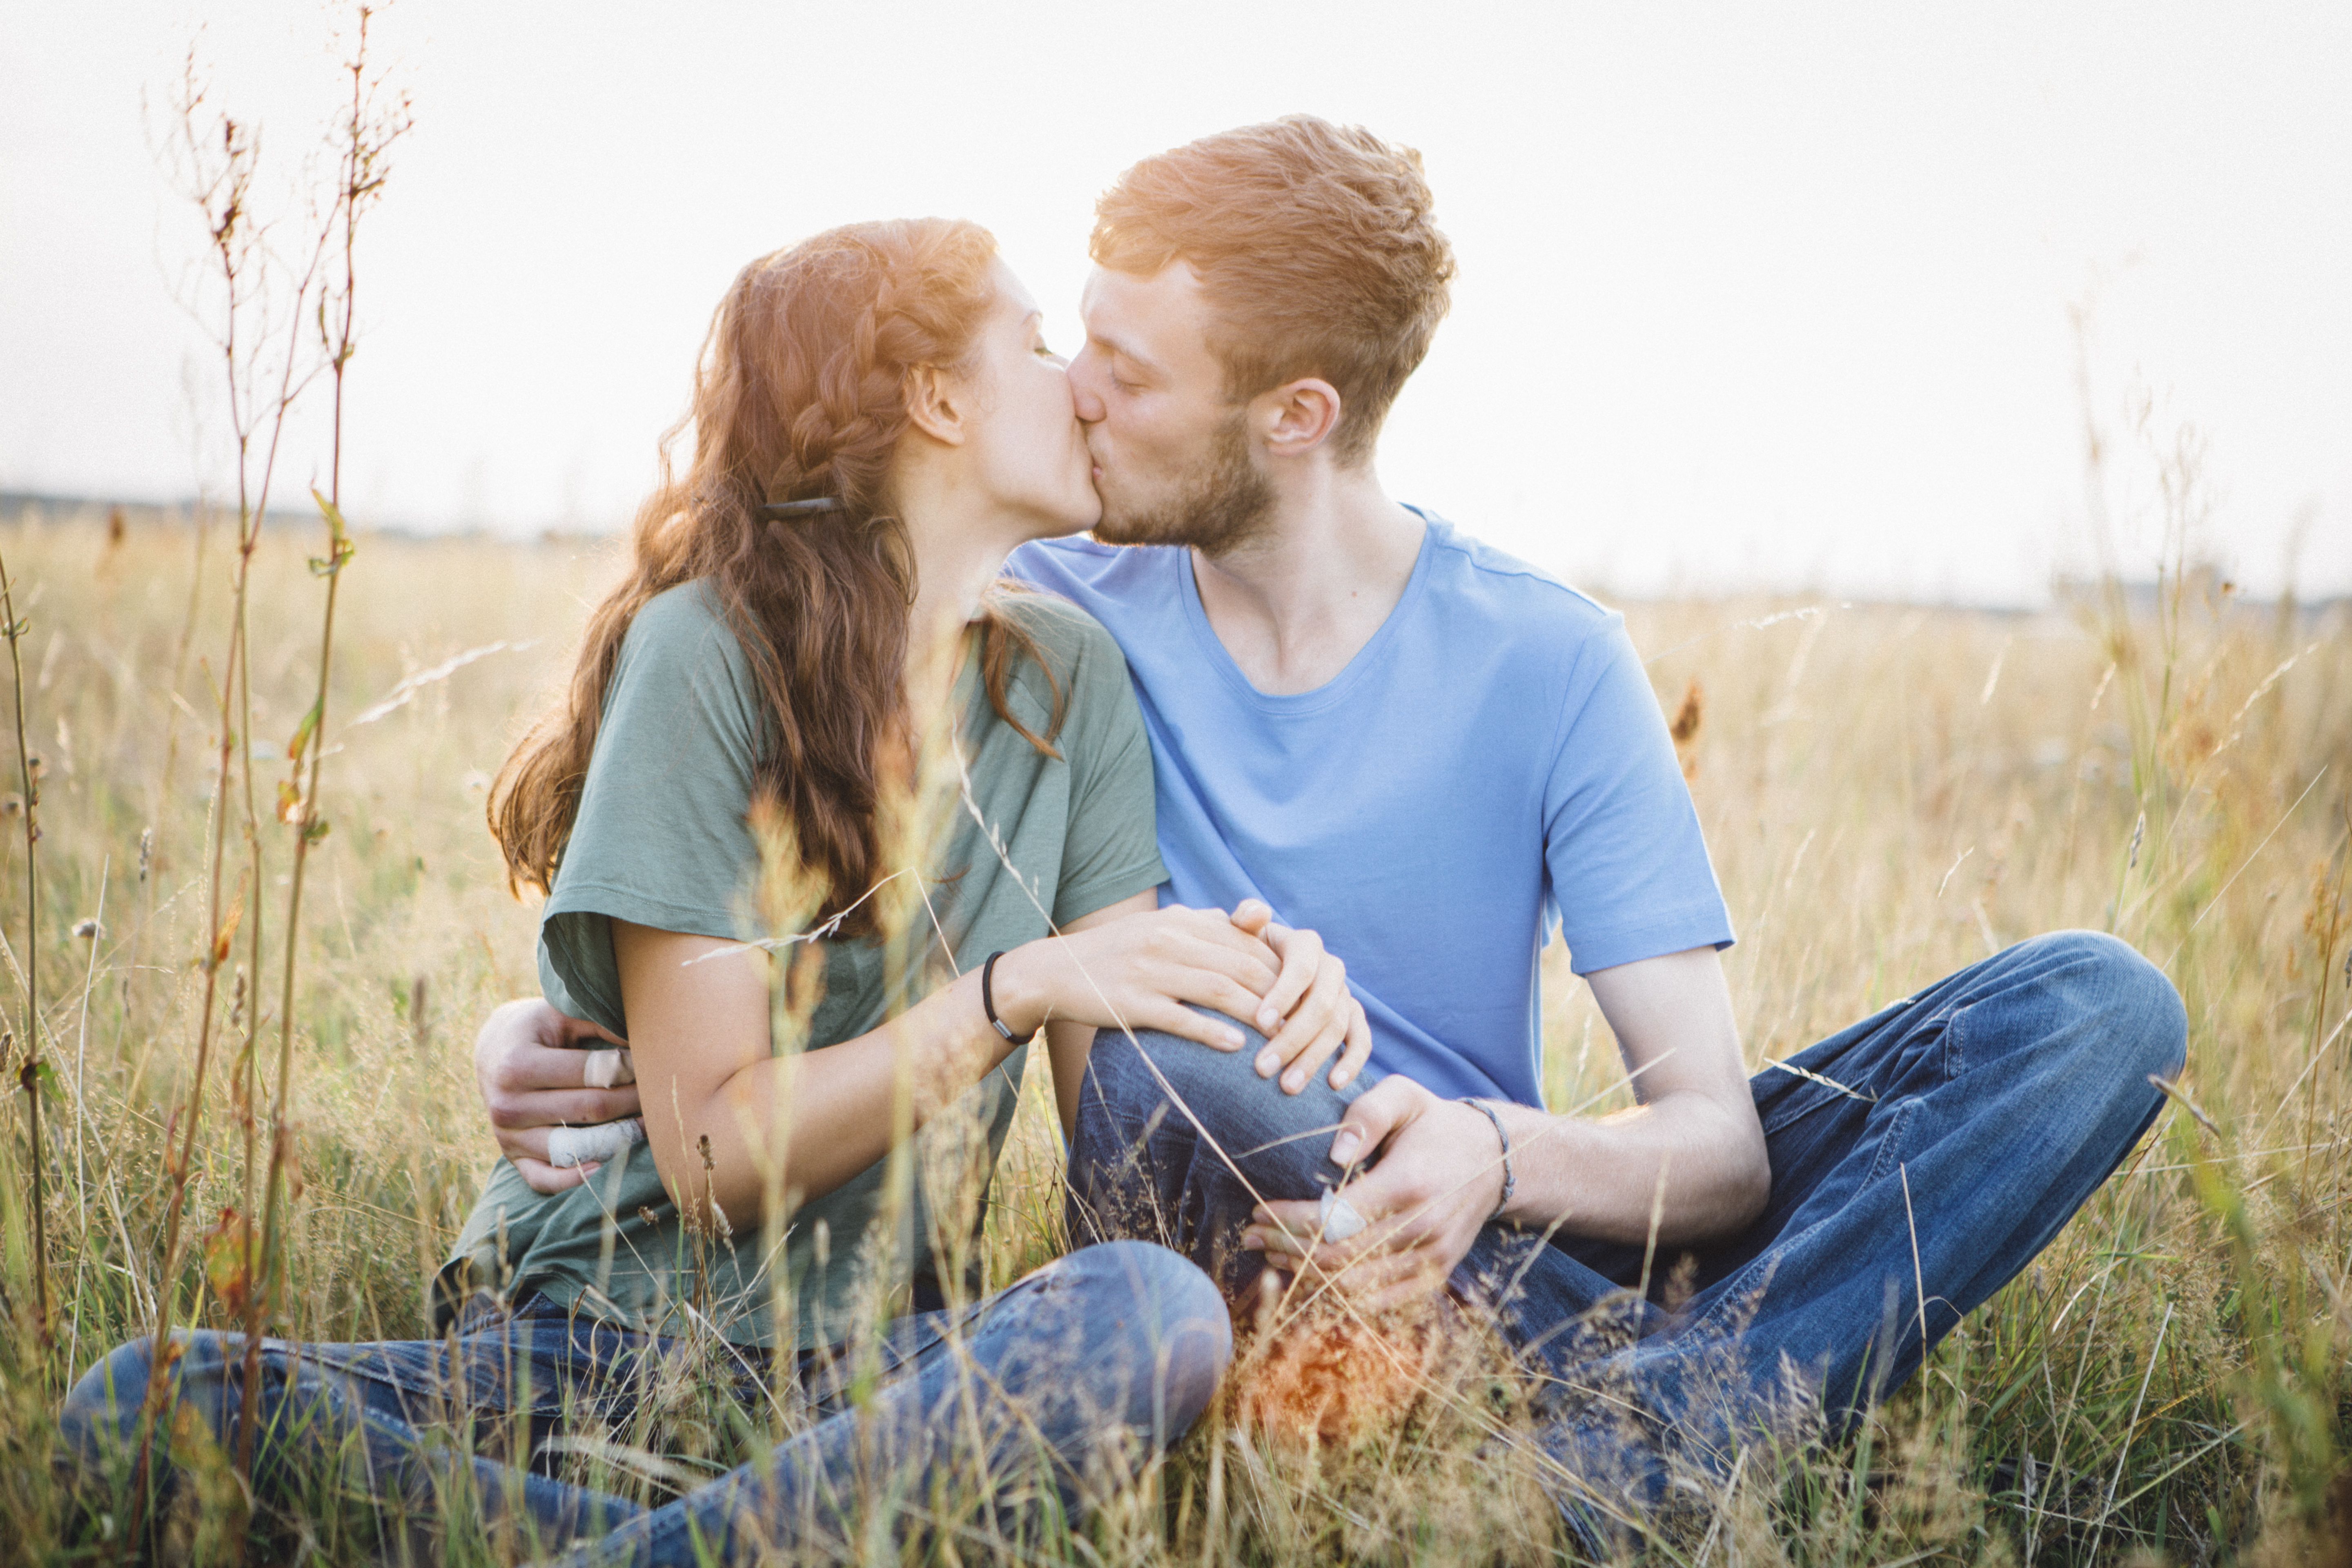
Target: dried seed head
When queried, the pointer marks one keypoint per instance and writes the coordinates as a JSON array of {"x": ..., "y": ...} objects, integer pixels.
[{"x": 1687, "y": 717}]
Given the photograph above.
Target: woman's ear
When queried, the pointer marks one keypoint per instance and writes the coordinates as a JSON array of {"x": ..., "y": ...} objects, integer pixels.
[{"x": 939, "y": 404}]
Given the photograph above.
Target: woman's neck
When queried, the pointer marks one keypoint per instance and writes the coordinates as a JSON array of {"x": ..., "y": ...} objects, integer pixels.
[{"x": 957, "y": 553}]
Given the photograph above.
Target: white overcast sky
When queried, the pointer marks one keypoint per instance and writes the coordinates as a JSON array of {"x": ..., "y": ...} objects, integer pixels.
[{"x": 1750, "y": 294}]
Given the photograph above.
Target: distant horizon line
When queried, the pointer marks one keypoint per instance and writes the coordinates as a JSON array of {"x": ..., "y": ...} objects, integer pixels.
[{"x": 2060, "y": 591}]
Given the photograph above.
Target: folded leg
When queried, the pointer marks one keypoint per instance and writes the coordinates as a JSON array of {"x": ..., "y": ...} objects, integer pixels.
[
  {"x": 1083, "y": 1370},
  {"x": 341, "y": 1425}
]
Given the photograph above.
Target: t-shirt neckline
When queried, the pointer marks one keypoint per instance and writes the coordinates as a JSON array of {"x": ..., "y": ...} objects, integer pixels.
[{"x": 1212, "y": 647}]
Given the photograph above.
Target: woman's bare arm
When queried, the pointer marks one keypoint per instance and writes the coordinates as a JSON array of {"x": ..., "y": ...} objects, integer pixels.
[{"x": 726, "y": 1122}]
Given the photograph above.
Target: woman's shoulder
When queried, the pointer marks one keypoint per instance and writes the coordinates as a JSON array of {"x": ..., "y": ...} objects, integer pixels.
[
  {"x": 682, "y": 635},
  {"x": 682, "y": 618},
  {"x": 1072, "y": 642}
]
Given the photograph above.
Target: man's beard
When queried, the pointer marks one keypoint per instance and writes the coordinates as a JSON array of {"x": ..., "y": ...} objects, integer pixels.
[{"x": 1226, "y": 504}]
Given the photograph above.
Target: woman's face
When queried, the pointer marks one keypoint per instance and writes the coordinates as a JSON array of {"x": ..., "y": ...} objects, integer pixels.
[{"x": 1027, "y": 450}]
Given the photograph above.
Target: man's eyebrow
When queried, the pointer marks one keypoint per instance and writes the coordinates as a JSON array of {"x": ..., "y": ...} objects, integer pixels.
[{"x": 1124, "y": 350}]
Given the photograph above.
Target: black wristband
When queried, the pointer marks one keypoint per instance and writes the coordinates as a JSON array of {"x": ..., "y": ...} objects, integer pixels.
[
  {"x": 987, "y": 1003},
  {"x": 1510, "y": 1178}
]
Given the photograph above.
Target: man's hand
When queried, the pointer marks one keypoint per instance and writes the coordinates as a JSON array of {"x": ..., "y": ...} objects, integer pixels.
[
  {"x": 534, "y": 1078},
  {"x": 1310, "y": 1013},
  {"x": 1439, "y": 1179}
]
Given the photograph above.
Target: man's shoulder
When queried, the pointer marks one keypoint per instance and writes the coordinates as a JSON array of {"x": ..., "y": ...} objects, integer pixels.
[
  {"x": 1470, "y": 578},
  {"x": 1089, "y": 569}
]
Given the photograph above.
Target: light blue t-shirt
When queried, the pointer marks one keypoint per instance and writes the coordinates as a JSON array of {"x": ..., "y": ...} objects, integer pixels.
[{"x": 1490, "y": 765}]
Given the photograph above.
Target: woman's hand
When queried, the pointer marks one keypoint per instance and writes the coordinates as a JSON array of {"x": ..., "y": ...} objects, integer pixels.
[
  {"x": 1310, "y": 1013},
  {"x": 1140, "y": 972}
]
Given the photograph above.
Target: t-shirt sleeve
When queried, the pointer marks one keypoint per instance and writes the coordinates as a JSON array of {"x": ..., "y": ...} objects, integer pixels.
[
  {"x": 661, "y": 838},
  {"x": 1626, "y": 861},
  {"x": 1112, "y": 849}
]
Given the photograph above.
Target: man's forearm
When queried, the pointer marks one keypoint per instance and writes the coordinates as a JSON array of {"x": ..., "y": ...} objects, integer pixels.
[{"x": 1684, "y": 1165}]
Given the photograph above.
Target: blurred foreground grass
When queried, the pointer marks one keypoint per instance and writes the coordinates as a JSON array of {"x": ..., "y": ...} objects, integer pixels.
[{"x": 1890, "y": 792}]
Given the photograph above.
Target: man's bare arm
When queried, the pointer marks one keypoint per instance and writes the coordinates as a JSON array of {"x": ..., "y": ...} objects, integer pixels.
[{"x": 1691, "y": 1152}]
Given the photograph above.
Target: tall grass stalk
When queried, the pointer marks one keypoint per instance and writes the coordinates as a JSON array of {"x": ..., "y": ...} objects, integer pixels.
[
  {"x": 28, "y": 1077},
  {"x": 222, "y": 157},
  {"x": 365, "y": 135}
]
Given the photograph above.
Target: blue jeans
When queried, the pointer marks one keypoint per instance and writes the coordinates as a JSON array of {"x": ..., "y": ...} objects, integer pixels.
[
  {"x": 1938, "y": 1145},
  {"x": 985, "y": 1417}
]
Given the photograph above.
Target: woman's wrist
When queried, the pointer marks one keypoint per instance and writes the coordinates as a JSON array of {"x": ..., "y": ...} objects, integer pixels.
[{"x": 1016, "y": 987}]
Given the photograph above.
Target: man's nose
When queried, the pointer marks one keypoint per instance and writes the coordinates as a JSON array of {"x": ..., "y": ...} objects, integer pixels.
[{"x": 1084, "y": 394}]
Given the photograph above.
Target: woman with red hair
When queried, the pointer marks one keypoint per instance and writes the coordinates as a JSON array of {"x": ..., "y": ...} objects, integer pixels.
[{"x": 832, "y": 824}]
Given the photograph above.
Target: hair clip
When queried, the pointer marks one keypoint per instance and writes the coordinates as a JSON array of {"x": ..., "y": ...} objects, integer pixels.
[{"x": 782, "y": 511}]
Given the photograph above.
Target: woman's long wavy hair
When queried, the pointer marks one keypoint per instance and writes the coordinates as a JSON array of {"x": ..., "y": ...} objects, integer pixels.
[{"x": 800, "y": 392}]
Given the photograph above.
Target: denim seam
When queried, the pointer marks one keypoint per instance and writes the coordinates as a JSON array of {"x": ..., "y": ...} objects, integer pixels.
[{"x": 1890, "y": 1140}]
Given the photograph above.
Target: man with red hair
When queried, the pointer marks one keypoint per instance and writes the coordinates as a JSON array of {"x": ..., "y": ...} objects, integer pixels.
[{"x": 1433, "y": 757}]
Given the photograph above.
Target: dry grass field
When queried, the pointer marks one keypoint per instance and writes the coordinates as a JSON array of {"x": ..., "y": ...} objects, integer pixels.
[{"x": 1890, "y": 792}]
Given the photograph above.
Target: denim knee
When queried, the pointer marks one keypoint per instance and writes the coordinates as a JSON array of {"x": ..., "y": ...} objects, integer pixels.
[
  {"x": 1176, "y": 1323},
  {"x": 2140, "y": 1016},
  {"x": 1138, "y": 1072},
  {"x": 101, "y": 1409}
]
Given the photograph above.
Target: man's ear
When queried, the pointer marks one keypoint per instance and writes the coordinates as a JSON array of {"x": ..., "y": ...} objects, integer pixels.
[
  {"x": 939, "y": 404},
  {"x": 1299, "y": 416}
]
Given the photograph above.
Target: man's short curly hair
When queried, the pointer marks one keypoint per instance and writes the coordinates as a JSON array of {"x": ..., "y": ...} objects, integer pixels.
[{"x": 1315, "y": 247}]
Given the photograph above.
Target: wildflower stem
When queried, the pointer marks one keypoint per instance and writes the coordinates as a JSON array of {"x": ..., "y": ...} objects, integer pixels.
[{"x": 30, "y": 1075}]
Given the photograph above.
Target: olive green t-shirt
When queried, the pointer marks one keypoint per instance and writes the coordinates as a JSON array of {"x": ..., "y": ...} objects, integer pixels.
[{"x": 662, "y": 840}]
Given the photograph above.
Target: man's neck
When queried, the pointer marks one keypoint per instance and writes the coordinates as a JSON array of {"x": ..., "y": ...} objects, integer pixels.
[{"x": 1294, "y": 605}]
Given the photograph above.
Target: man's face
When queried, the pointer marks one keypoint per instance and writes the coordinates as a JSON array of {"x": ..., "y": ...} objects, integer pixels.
[{"x": 1174, "y": 461}]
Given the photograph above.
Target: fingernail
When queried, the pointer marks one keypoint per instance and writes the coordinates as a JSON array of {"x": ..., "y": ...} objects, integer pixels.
[
  {"x": 1268, "y": 1020},
  {"x": 1343, "y": 1147},
  {"x": 1292, "y": 1082},
  {"x": 1252, "y": 1242},
  {"x": 1259, "y": 1217},
  {"x": 1266, "y": 1062},
  {"x": 1339, "y": 1077},
  {"x": 1234, "y": 1038}
]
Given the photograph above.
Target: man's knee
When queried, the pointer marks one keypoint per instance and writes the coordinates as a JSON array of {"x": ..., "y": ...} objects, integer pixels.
[{"x": 2134, "y": 1016}]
